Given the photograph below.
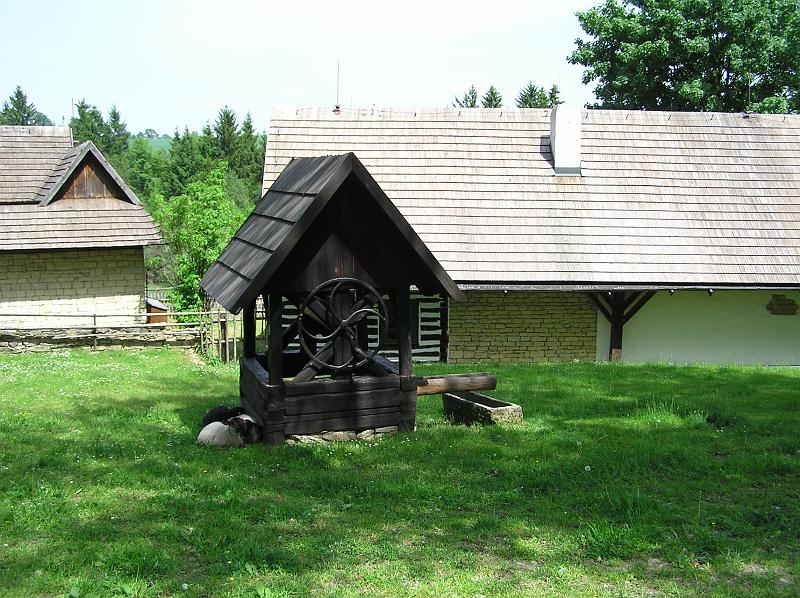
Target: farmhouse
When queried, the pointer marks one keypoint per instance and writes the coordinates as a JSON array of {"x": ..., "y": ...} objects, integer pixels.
[
  {"x": 71, "y": 233},
  {"x": 587, "y": 234}
]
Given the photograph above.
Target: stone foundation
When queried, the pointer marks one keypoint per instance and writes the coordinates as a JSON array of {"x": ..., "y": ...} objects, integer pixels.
[
  {"x": 341, "y": 436},
  {"x": 41, "y": 340}
]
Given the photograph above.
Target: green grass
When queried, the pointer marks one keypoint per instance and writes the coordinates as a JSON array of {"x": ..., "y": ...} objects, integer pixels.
[{"x": 622, "y": 481}]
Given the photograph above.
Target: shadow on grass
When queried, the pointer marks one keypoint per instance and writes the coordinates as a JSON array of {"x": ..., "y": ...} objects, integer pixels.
[{"x": 613, "y": 467}]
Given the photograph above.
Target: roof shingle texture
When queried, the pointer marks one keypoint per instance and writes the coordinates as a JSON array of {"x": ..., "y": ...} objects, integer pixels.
[
  {"x": 32, "y": 161},
  {"x": 683, "y": 199}
]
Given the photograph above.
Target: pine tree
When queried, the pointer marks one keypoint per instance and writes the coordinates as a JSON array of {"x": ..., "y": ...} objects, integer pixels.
[
  {"x": 492, "y": 98},
  {"x": 118, "y": 135},
  {"x": 89, "y": 125},
  {"x": 18, "y": 111},
  {"x": 468, "y": 100},
  {"x": 533, "y": 96},
  {"x": 250, "y": 159},
  {"x": 226, "y": 135}
]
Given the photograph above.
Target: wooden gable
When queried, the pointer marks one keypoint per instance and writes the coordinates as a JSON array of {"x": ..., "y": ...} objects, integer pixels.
[{"x": 90, "y": 180}]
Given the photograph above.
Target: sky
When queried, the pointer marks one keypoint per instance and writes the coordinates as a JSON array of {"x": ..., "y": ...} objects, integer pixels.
[{"x": 168, "y": 64}]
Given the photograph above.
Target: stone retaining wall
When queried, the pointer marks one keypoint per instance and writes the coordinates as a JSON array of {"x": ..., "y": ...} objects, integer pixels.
[{"x": 26, "y": 341}]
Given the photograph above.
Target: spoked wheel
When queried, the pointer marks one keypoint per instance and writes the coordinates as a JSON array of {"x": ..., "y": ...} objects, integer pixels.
[{"x": 339, "y": 307}]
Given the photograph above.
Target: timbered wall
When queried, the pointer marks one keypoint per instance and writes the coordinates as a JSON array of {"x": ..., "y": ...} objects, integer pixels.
[
  {"x": 748, "y": 327},
  {"x": 430, "y": 333},
  {"x": 522, "y": 326},
  {"x": 54, "y": 283}
]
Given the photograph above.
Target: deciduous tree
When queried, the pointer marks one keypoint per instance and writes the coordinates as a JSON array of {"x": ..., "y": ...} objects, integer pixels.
[{"x": 720, "y": 55}]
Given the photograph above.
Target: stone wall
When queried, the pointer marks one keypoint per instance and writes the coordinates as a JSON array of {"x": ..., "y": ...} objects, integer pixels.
[
  {"x": 29, "y": 341},
  {"x": 522, "y": 326},
  {"x": 53, "y": 283}
]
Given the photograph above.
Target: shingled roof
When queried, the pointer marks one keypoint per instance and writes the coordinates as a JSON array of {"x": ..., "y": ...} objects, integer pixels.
[
  {"x": 37, "y": 164},
  {"x": 665, "y": 200},
  {"x": 286, "y": 212}
]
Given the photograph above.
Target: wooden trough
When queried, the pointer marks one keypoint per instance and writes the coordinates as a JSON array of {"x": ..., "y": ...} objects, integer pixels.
[{"x": 326, "y": 239}]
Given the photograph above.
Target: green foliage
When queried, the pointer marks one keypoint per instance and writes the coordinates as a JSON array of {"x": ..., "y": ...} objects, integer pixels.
[
  {"x": 532, "y": 96},
  {"x": 468, "y": 100},
  {"x": 492, "y": 98},
  {"x": 708, "y": 55},
  {"x": 111, "y": 137},
  {"x": 18, "y": 111},
  {"x": 104, "y": 490},
  {"x": 197, "y": 225}
]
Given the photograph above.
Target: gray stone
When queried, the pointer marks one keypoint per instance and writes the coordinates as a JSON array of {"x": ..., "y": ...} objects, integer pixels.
[
  {"x": 364, "y": 434},
  {"x": 386, "y": 430},
  {"x": 339, "y": 436},
  {"x": 467, "y": 407},
  {"x": 306, "y": 439},
  {"x": 218, "y": 434}
]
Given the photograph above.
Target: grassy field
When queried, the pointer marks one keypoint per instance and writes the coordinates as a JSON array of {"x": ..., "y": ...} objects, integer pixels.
[{"x": 622, "y": 481}]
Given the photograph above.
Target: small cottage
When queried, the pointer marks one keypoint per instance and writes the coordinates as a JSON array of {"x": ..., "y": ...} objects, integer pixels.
[{"x": 72, "y": 233}]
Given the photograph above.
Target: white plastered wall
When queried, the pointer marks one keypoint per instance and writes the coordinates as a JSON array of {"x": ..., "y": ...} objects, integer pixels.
[{"x": 695, "y": 327}]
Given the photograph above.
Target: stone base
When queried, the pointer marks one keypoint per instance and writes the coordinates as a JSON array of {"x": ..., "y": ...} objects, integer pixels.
[{"x": 341, "y": 436}]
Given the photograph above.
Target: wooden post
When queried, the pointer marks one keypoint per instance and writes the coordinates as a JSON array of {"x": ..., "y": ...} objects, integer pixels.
[
  {"x": 617, "y": 304},
  {"x": 249, "y": 323},
  {"x": 94, "y": 332},
  {"x": 403, "y": 307},
  {"x": 444, "y": 328},
  {"x": 275, "y": 339},
  {"x": 223, "y": 335}
]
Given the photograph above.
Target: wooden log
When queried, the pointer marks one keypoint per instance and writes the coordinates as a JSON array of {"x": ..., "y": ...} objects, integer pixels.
[
  {"x": 341, "y": 401},
  {"x": 351, "y": 413},
  {"x": 434, "y": 385},
  {"x": 356, "y": 423},
  {"x": 328, "y": 385}
]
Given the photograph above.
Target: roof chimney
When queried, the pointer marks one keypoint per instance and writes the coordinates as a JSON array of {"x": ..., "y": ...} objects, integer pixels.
[{"x": 565, "y": 139}]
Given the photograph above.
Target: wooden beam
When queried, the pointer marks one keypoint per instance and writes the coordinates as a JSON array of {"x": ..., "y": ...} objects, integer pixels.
[
  {"x": 595, "y": 297},
  {"x": 275, "y": 339},
  {"x": 633, "y": 296},
  {"x": 444, "y": 328},
  {"x": 403, "y": 308},
  {"x": 645, "y": 297},
  {"x": 617, "y": 303},
  {"x": 249, "y": 323},
  {"x": 435, "y": 385}
]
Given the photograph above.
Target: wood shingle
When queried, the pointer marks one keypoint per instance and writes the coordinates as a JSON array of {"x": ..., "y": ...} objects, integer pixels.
[{"x": 664, "y": 199}]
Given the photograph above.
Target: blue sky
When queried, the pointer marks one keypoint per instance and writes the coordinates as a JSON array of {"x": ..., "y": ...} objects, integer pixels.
[{"x": 174, "y": 64}]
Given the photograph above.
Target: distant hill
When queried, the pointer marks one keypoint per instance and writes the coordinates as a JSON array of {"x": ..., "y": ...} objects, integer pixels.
[{"x": 155, "y": 142}]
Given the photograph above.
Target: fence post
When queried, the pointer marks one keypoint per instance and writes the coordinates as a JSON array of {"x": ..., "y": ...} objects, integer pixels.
[{"x": 223, "y": 334}]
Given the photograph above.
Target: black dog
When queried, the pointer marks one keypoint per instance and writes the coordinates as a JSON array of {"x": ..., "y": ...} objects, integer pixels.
[
  {"x": 220, "y": 414},
  {"x": 246, "y": 427}
]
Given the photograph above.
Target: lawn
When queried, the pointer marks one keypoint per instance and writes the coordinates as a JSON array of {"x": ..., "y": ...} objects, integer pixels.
[{"x": 623, "y": 480}]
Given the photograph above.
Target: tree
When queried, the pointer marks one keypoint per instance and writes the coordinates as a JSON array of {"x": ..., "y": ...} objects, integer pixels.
[
  {"x": 532, "y": 96},
  {"x": 492, "y": 98},
  {"x": 719, "y": 55},
  {"x": 118, "y": 135},
  {"x": 197, "y": 225},
  {"x": 18, "y": 111},
  {"x": 250, "y": 157},
  {"x": 89, "y": 125},
  {"x": 468, "y": 100},
  {"x": 226, "y": 135}
]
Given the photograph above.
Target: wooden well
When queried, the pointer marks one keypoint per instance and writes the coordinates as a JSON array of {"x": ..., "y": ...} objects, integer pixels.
[{"x": 326, "y": 226}]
